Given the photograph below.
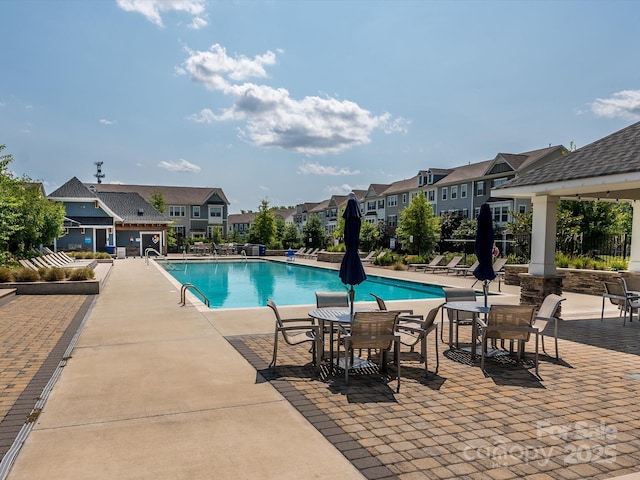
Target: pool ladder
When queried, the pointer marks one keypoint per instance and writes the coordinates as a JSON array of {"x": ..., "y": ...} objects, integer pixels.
[
  {"x": 183, "y": 294},
  {"x": 146, "y": 254}
]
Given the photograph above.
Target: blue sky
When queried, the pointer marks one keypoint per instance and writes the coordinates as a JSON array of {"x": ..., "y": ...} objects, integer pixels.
[{"x": 295, "y": 101}]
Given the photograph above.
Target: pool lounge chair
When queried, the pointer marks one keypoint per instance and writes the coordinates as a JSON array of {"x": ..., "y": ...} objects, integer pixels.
[
  {"x": 464, "y": 271},
  {"x": 445, "y": 268},
  {"x": 421, "y": 266},
  {"x": 369, "y": 257}
]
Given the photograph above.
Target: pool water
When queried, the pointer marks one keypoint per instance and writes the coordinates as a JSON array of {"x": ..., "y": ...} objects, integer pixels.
[{"x": 243, "y": 284}]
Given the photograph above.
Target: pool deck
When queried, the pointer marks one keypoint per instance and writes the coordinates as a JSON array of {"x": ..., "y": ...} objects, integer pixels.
[{"x": 156, "y": 390}]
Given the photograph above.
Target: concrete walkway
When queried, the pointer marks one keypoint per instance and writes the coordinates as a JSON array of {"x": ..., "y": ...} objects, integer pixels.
[{"x": 154, "y": 390}]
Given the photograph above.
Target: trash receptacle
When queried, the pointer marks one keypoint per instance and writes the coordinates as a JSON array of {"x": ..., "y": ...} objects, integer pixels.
[
  {"x": 110, "y": 249},
  {"x": 263, "y": 250},
  {"x": 122, "y": 252},
  {"x": 255, "y": 250}
]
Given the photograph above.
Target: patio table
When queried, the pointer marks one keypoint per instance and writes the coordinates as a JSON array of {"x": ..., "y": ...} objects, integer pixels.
[
  {"x": 334, "y": 316},
  {"x": 476, "y": 308}
]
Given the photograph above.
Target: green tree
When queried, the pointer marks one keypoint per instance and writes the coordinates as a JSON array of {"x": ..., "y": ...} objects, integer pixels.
[
  {"x": 290, "y": 236},
  {"x": 158, "y": 201},
  {"x": 280, "y": 226},
  {"x": 27, "y": 217},
  {"x": 419, "y": 223},
  {"x": 263, "y": 229},
  {"x": 313, "y": 235},
  {"x": 368, "y": 236}
]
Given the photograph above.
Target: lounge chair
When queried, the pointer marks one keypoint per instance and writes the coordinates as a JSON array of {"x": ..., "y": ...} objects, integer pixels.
[
  {"x": 617, "y": 295},
  {"x": 464, "y": 271},
  {"x": 295, "y": 331},
  {"x": 27, "y": 264},
  {"x": 509, "y": 322},
  {"x": 369, "y": 258},
  {"x": 311, "y": 254},
  {"x": 421, "y": 266},
  {"x": 445, "y": 268},
  {"x": 371, "y": 331}
]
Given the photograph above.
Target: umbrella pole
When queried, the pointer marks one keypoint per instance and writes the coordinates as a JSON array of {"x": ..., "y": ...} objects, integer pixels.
[
  {"x": 352, "y": 295},
  {"x": 485, "y": 289}
]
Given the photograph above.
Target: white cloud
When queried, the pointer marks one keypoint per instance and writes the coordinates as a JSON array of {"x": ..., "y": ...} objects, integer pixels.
[
  {"x": 262, "y": 187},
  {"x": 341, "y": 189},
  {"x": 116, "y": 182},
  {"x": 152, "y": 9},
  {"x": 180, "y": 166},
  {"x": 104, "y": 121},
  {"x": 624, "y": 104},
  {"x": 313, "y": 125},
  {"x": 308, "y": 168}
]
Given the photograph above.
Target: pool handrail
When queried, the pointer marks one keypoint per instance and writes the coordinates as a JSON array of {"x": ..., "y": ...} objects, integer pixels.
[
  {"x": 146, "y": 254},
  {"x": 183, "y": 294}
]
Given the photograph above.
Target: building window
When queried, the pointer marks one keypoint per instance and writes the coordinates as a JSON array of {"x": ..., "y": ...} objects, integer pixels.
[
  {"x": 179, "y": 231},
  {"x": 499, "y": 181},
  {"x": 215, "y": 212},
  {"x": 522, "y": 209},
  {"x": 371, "y": 206},
  {"x": 176, "y": 211},
  {"x": 445, "y": 193},
  {"x": 431, "y": 195},
  {"x": 476, "y": 212},
  {"x": 392, "y": 200},
  {"x": 479, "y": 189},
  {"x": 196, "y": 211},
  {"x": 463, "y": 190},
  {"x": 404, "y": 198},
  {"x": 454, "y": 192},
  {"x": 420, "y": 180},
  {"x": 392, "y": 221},
  {"x": 465, "y": 213},
  {"x": 381, "y": 203}
]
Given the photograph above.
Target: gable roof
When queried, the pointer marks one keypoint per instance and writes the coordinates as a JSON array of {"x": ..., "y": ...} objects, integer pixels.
[
  {"x": 122, "y": 206},
  {"x": 609, "y": 167},
  {"x": 172, "y": 195}
]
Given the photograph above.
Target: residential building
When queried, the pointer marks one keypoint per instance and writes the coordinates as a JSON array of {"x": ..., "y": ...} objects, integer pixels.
[
  {"x": 101, "y": 221},
  {"x": 195, "y": 211}
]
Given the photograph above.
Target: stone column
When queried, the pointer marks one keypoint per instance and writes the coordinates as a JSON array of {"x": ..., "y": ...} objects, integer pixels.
[
  {"x": 542, "y": 279},
  {"x": 534, "y": 288}
]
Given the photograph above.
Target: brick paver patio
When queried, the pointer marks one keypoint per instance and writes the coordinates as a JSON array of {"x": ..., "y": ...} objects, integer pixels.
[
  {"x": 35, "y": 331},
  {"x": 579, "y": 421}
]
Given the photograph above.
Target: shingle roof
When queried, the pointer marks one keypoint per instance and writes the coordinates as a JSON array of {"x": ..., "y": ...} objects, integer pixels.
[
  {"x": 172, "y": 195},
  {"x": 132, "y": 207},
  {"x": 74, "y": 188},
  {"x": 617, "y": 153}
]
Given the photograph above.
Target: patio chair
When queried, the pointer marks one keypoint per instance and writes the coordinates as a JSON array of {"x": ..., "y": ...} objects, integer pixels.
[
  {"x": 27, "y": 264},
  {"x": 332, "y": 299},
  {"x": 294, "y": 332},
  {"x": 414, "y": 329},
  {"x": 632, "y": 291},
  {"x": 617, "y": 295},
  {"x": 383, "y": 306},
  {"x": 371, "y": 331},
  {"x": 545, "y": 316},
  {"x": 445, "y": 268},
  {"x": 421, "y": 266},
  {"x": 509, "y": 322},
  {"x": 456, "y": 317}
]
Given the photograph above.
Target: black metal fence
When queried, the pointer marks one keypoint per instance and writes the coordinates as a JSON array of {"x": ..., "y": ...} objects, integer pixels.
[{"x": 606, "y": 248}]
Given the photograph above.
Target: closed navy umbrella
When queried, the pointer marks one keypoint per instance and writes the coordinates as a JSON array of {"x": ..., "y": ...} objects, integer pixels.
[
  {"x": 484, "y": 249},
  {"x": 351, "y": 269}
]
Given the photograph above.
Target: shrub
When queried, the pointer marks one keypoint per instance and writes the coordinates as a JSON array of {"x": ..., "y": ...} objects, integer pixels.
[
  {"x": 618, "y": 264},
  {"x": 102, "y": 255},
  {"x": 562, "y": 260},
  {"x": 79, "y": 274},
  {"x": 5, "y": 275},
  {"x": 384, "y": 260},
  {"x": 24, "y": 274},
  {"x": 54, "y": 275},
  {"x": 398, "y": 265}
]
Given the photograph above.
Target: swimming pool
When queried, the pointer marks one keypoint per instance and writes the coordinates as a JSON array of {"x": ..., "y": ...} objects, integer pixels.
[{"x": 229, "y": 284}]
